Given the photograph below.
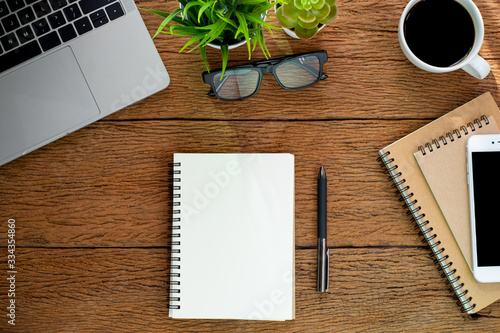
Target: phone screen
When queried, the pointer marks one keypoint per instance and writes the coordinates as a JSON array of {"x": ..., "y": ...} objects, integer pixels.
[{"x": 486, "y": 182}]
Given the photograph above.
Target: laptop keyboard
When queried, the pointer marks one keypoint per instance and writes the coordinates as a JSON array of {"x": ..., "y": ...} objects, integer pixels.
[{"x": 30, "y": 27}]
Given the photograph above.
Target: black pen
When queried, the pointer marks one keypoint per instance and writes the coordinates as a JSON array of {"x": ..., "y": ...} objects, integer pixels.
[{"x": 323, "y": 253}]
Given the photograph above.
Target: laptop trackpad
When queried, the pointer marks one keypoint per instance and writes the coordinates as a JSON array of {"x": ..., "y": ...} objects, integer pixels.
[{"x": 43, "y": 101}]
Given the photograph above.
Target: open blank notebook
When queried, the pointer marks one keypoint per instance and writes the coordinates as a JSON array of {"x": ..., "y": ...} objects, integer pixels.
[{"x": 233, "y": 255}]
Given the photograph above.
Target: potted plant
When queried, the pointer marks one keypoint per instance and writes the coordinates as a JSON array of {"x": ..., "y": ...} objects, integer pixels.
[
  {"x": 221, "y": 23},
  {"x": 306, "y": 17}
]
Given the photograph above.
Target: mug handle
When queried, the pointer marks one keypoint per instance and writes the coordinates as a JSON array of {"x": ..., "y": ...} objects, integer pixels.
[{"x": 477, "y": 67}]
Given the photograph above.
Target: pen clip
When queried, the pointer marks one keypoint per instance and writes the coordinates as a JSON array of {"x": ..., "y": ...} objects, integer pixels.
[
  {"x": 323, "y": 265},
  {"x": 327, "y": 268}
]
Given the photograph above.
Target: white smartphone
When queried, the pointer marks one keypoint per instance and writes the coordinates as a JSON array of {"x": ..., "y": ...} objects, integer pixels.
[{"x": 483, "y": 176}]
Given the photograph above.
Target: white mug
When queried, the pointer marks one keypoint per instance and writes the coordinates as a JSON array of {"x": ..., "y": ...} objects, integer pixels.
[{"x": 472, "y": 63}]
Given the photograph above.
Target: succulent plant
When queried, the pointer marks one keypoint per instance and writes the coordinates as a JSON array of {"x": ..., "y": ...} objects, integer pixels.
[{"x": 305, "y": 16}]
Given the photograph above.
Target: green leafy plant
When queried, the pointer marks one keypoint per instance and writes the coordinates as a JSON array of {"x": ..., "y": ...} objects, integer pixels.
[
  {"x": 220, "y": 22},
  {"x": 305, "y": 16}
]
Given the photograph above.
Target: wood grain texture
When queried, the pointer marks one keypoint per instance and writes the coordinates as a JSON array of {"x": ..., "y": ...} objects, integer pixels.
[
  {"x": 91, "y": 209},
  {"x": 123, "y": 290},
  {"x": 121, "y": 192},
  {"x": 369, "y": 77}
]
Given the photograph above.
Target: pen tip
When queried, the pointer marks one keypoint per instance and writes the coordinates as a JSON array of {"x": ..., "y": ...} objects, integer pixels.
[{"x": 322, "y": 172}]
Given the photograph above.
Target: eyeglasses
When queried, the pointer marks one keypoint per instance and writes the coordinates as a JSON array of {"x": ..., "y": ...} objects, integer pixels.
[{"x": 293, "y": 72}]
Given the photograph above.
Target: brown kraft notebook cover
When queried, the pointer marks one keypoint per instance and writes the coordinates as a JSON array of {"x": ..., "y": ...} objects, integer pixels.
[
  {"x": 445, "y": 169},
  {"x": 408, "y": 178}
]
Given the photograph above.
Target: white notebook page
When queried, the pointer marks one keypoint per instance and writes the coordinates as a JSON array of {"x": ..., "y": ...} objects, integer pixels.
[{"x": 237, "y": 244}]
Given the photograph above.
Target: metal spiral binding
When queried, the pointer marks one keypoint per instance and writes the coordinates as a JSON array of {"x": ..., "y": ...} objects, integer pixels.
[
  {"x": 434, "y": 245},
  {"x": 436, "y": 143},
  {"x": 175, "y": 226}
]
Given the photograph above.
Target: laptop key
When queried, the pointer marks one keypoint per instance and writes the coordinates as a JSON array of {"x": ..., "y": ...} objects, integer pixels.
[
  {"x": 19, "y": 55},
  {"x": 9, "y": 42},
  {"x": 15, "y": 4},
  {"x": 26, "y": 15},
  {"x": 91, "y": 5},
  {"x": 97, "y": 15},
  {"x": 83, "y": 25},
  {"x": 114, "y": 11},
  {"x": 98, "y": 18},
  {"x": 57, "y": 4},
  {"x": 4, "y": 11},
  {"x": 67, "y": 33},
  {"x": 56, "y": 20},
  {"x": 49, "y": 41},
  {"x": 99, "y": 22},
  {"x": 72, "y": 12},
  {"x": 25, "y": 34},
  {"x": 41, "y": 27},
  {"x": 11, "y": 23},
  {"x": 42, "y": 8}
]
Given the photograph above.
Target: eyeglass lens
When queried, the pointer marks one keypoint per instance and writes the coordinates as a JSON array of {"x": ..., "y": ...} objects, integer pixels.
[
  {"x": 294, "y": 73},
  {"x": 299, "y": 72},
  {"x": 236, "y": 84}
]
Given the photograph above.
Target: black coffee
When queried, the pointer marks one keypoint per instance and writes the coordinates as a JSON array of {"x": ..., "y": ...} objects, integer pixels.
[{"x": 439, "y": 32}]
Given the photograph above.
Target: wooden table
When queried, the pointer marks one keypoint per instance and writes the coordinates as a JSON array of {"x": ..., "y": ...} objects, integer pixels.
[{"x": 92, "y": 209}]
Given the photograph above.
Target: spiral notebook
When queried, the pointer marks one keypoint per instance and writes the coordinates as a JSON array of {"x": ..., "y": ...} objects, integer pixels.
[
  {"x": 233, "y": 243},
  {"x": 444, "y": 165},
  {"x": 402, "y": 166}
]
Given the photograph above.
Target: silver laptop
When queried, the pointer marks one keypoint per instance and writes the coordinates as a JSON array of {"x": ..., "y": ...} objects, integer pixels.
[{"x": 67, "y": 63}]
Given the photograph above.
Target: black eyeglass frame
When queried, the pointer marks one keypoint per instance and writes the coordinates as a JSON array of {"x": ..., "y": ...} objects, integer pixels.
[{"x": 267, "y": 66}]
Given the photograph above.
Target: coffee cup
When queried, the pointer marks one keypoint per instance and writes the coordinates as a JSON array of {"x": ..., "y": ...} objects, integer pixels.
[{"x": 441, "y": 36}]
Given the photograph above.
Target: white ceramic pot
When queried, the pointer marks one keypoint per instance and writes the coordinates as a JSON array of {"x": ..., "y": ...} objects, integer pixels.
[
  {"x": 232, "y": 46},
  {"x": 292, "y": 33}
]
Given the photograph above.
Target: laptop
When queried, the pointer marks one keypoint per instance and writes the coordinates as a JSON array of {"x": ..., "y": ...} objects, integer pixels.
[{"x": 67, "y": 63}]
